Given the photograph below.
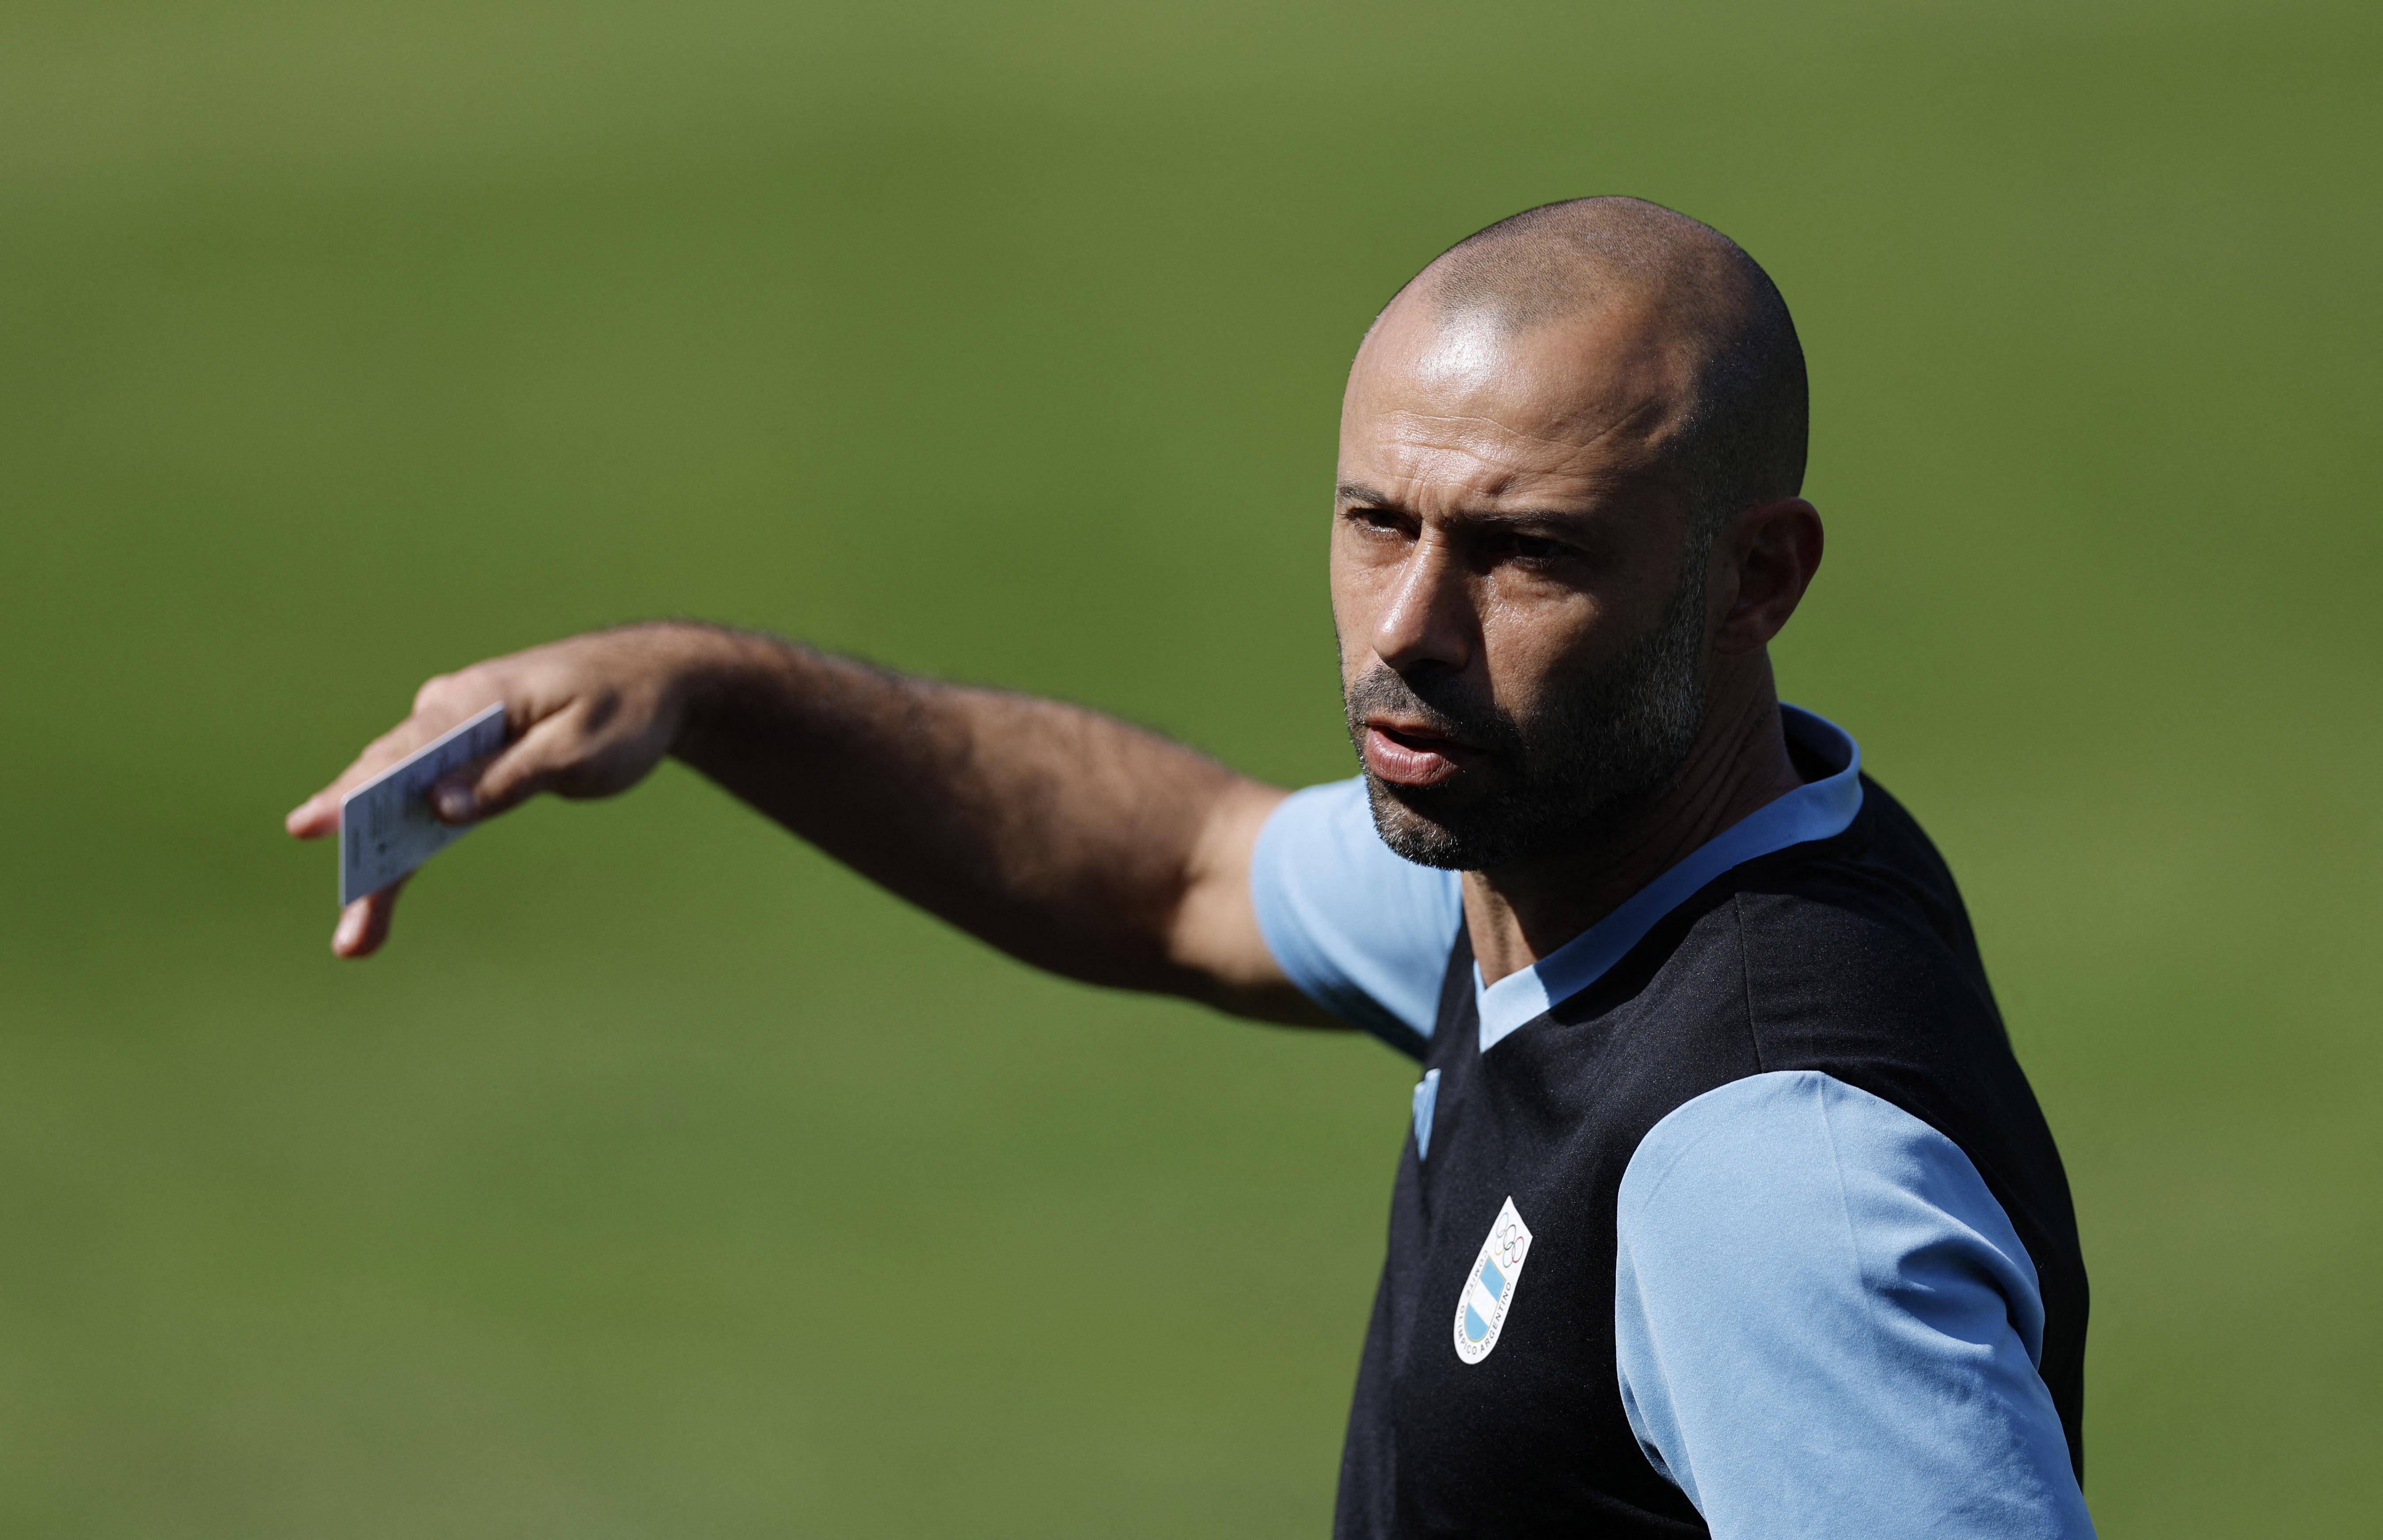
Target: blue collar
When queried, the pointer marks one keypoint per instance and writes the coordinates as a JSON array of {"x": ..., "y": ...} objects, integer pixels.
[{"x": 1813, "y": 811}]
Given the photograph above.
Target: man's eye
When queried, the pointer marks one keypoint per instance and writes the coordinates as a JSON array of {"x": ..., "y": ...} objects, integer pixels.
[{"x": 1532, "y": 548}]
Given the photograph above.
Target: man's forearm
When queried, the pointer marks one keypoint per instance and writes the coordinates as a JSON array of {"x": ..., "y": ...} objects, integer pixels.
[{"x": 1068, "y": 838}]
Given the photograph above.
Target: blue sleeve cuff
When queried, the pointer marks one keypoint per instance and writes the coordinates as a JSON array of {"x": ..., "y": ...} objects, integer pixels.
[
  {"x": 1362, "y": 932},
  {"x": 1826, "y": 1326}
]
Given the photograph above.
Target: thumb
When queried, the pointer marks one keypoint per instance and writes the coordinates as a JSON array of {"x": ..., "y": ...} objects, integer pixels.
[{"x": 511, "y": 777}]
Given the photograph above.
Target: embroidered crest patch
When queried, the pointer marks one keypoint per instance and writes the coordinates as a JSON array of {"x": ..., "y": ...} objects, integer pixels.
[{"x": 1489, "y": 1291}]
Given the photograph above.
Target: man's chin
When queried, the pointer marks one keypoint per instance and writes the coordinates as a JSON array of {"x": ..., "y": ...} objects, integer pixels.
[
  {"x": 1462, "y": 830},
  {"x": 1420, "y": 824}
]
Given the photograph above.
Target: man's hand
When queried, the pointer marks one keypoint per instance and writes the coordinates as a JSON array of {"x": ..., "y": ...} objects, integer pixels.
[
  {"x": 586, "y": 717},
  {"x": 1069, "y": 840}
]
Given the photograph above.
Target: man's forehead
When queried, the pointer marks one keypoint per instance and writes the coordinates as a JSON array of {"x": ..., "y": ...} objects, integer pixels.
[{"x": 1599, "y": 386}]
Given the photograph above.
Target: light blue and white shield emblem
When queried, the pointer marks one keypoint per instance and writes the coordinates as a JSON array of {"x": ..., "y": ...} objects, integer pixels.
[{"x": 1488, "y": 1292}]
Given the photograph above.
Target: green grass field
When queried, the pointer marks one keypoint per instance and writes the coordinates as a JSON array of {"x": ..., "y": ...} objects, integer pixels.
[{"x": 662, "y": 1180}]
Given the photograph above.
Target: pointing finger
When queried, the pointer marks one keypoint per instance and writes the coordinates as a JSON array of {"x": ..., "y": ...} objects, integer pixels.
[
  {"x": 320, "y": 814},
  {"x": 316, "y": 817}
]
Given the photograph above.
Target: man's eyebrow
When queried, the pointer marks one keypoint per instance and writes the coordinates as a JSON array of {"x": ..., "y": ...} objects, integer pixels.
[{"x": 1358, "y": 495}]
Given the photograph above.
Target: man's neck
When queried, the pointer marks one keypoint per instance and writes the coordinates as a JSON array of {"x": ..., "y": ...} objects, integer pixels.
[{"x": 1519, "y": 912}]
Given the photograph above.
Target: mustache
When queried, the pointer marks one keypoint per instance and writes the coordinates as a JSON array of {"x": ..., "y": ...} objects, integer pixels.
[{"x": 1448, "y": 713}]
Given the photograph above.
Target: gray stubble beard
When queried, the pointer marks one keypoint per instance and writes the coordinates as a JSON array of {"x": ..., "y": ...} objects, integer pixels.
[{"x": 1617, "y": 736}]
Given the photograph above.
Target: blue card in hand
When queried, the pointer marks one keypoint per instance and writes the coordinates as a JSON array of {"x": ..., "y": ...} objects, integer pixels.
[{"x": 386, "y": 825}]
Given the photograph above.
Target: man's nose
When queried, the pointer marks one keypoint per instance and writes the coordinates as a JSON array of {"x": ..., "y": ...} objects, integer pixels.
[{"x": 1429, "y": 622}]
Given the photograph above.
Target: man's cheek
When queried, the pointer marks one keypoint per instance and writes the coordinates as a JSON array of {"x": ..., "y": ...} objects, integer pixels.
[
  {"x": 1350, "y": 636},
  {"x": 1524, "y": 670}
]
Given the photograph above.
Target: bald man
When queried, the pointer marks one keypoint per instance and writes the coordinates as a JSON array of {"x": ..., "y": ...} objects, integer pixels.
[{"x": 1726, "y": 1208}]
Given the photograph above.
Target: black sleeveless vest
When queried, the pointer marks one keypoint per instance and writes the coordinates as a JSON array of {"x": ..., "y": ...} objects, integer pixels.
[{"x": 1850, "y": 956}]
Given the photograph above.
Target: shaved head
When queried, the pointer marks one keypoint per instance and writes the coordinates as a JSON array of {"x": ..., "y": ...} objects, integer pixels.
[
  {"x": 1571, "y": 450},
  {"x": 1741, "y": 436}
]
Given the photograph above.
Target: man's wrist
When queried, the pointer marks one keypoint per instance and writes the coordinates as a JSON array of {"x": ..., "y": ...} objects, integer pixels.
[{"x": 719, "y": 676}]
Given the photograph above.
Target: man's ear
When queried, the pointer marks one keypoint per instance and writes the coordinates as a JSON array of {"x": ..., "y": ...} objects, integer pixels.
[{"x": 1771, "y": 550}]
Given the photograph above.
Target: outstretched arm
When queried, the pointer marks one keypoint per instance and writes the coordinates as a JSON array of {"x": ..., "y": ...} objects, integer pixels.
[{"x": 1067, "y": 838}]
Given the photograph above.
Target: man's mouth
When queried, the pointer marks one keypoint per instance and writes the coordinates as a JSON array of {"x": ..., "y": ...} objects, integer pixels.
[{"x": 1412, "y": 755}]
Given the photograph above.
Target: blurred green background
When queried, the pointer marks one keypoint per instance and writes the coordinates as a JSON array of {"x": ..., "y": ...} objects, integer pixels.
[{"x": 664, "y": 1180}]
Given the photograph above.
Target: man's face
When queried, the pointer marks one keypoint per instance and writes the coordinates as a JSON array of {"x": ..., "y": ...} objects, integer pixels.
[{"x": 1520, "y": 608}]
